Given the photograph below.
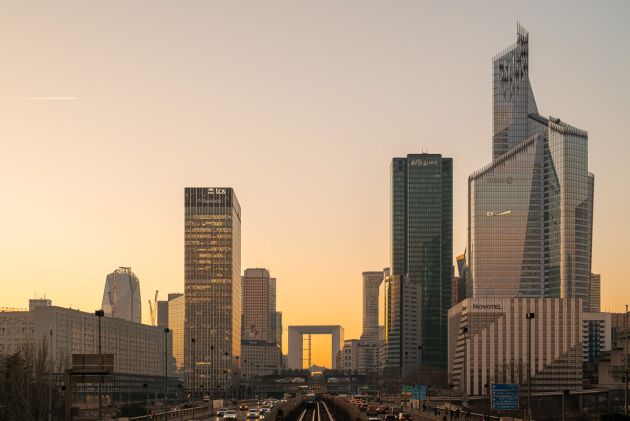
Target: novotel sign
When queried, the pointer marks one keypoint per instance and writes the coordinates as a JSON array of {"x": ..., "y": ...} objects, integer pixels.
[{"x": 487, "y": 307}]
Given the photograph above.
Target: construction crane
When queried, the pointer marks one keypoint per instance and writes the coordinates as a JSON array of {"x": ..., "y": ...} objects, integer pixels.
[{"x": 153, "y": 308}]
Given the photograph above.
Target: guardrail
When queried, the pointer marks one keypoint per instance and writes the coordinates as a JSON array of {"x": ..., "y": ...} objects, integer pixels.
[{"x": 178, "y": 414}]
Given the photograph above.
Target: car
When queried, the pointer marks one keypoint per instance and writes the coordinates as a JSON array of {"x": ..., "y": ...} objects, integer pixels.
[
  {"x": 265, "y": 409},
  {"x": 221, "y": 412},
  {"x": 381, "y": 409},
  {"x": 243, "y": 407},
  {"x": 403, "y": 416},
  {"x": 253, "y": 416},
  {"x": 390, "y": 417},
  {"x": 230, "y": 415},
  {"x": 252, "y": 411},
  {"x": 283, "y": 400},
  {"x": 374, "y": 419}
]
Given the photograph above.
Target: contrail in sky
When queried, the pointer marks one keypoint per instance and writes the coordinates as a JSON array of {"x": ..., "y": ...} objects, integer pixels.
[{"x": 43, "y": 98}]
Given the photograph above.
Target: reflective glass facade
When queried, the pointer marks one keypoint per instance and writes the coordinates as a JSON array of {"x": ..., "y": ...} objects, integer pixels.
[
  {"x": 121, "y": 296},
  {"x": 421, "y": 253},
  {"x": 531, "y": 209},
  {"x": 212, "y": 260}
]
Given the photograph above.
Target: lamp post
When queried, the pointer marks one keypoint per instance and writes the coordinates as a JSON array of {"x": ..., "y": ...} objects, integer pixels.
[
  {"x": 50, "y": 330},
  {"x": 100, "y": 314},
  {"x": 166, "y": 330},
  {"x": 529, "y": 317},
  {"x": 212, "y": 376},
  {"x": 145, "y": 386},
  {"x": 485, "y": 400},
  {"x": 181, "y": 401},
  {"x": 565, "y": 393},
  {"x": 193, "y": 383},
  {"x": 226, "y": 374},
  {"x": 625, "y": 391},
  {"x": 464, "y": 379}
]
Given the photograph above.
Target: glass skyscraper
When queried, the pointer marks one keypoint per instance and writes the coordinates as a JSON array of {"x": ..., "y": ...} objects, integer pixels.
[
  {"x": 121, "y": 295},
  {"x": 212, "y": 283},
  {"x": 419, "y": 290},
  {"x": 530, "y": 211}
]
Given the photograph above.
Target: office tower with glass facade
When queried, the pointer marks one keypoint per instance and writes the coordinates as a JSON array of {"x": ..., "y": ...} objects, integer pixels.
[
  {"x": 421, "y": 261},
  {"x": 212, "y": 283},
  {"x": 121, "y": 296},
  {"x": 530, "y": 210},
  {"x": 176, "y": 317}
]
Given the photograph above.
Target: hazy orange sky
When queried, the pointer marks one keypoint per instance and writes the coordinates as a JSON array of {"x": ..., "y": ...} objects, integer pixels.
[{"x": 300, "y": 107}]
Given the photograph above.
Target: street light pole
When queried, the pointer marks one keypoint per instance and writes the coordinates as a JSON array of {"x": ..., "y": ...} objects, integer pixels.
[
  {"x": 52, "y": 363},
  {"x": 100, "y": 314},
  {"x": 565, "y": 393},
  {"x": 193, "y": 383},
  {"x": 166, "y": 330},
  {"x": 146, "y": 395},
  {"x": 625, "y": 394},
  {"x": 529, "y": 317}
]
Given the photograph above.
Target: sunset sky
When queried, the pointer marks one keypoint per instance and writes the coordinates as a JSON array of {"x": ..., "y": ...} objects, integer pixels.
[{"x": 109, "y": 109}]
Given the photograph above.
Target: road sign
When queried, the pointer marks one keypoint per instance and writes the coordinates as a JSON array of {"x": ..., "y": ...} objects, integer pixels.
[
  {"x": 420, "y": 392},
  {"x": 504, "y": 396},
  {"x": 407, "y": 391}
]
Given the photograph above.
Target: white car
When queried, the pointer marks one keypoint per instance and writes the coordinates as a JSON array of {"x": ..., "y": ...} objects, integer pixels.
[
  {"x": 221, "y": 412},
  {"x": 230, "y": 415}
]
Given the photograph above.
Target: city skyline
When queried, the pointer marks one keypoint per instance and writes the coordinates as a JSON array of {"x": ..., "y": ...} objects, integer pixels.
[{"x": 329, "y": 136}]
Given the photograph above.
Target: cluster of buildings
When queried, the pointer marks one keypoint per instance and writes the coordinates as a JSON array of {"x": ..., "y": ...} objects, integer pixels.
[
  {"x": 524, "y": 301},
  {"x": 525, "y": 277}
]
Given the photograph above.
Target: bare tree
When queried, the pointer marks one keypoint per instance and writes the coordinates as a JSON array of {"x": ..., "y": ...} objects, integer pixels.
[{"x": 24, "y": 384}]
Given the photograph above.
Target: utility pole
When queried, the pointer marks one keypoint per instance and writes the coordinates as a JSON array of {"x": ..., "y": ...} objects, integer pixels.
[{"x": 529, "y": 317}]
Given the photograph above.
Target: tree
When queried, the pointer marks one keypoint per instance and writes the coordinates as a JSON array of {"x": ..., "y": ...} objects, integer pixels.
[{"x": 24, "y": 384}]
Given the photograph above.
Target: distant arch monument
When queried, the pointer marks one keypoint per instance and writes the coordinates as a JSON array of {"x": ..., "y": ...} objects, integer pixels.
[{"x": 296, "y": 343}]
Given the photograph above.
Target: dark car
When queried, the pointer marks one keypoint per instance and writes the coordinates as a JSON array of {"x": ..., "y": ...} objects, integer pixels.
[
  {"x": 390, "y": 417},
  {"x": 403, "y": 416}
]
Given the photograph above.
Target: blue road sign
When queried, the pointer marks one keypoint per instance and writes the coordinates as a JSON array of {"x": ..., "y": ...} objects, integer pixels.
[
  {"x": 420, "y": 392},
  {"x": 504, "y": 397}
]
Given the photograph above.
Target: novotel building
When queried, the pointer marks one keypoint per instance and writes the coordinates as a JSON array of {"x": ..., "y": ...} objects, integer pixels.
[{"x": 488, "y": 337}]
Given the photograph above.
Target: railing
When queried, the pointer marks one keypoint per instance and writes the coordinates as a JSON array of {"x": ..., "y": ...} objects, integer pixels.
[{"x": 198, "y": 411}]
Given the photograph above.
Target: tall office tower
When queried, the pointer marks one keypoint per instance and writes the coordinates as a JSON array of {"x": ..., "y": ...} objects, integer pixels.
[
  {"x": 176, "y": 317},
  {"x": 278, "y": 328},
  {"x": 371, "y": 286},
  {"x": 368, "y": 349},
  {"x": 212, "y": 282},
  {"x": 595, "y": 293},
  {"x": 162, "y": 313},
  {"x": 163, "y": 309},
  {"x": 258, "y": 317},
  {"x": 421, "y": 259},
  {"x": 530, "y": 210},
  {"x": 121, "y": 297}
]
